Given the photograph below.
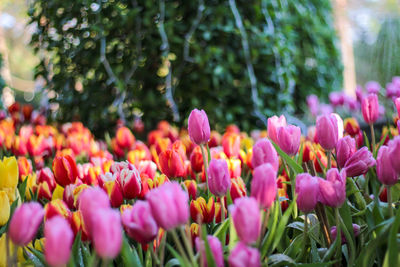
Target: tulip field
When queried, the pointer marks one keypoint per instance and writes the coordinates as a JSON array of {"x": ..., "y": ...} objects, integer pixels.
[{"x": 193, "y": 196}]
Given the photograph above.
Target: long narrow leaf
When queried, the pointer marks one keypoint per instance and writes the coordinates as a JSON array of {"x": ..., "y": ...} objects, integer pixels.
[{"x": 291, "y": 162}]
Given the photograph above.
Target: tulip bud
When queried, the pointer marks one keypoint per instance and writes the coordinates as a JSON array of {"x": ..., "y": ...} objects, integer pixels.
[
  {"x": 219, "y": 180},
  {"x": 359, "y": 162},
  {"x": 198, "y": 127},
  {"x": 246, "y": 219},
  {"x": 24, "y": 167},
  {"x": 46, "y": 175},
  {"x": 333, "y": 189},
  {"x": 231, "y": 144},
  {"x": 59, "y": 238},
  {"x": 289, "y": 139},
  {"x": 387, "y": 175},
  {"x": 356, "y": 231},
  {"x": 65, "y": 170},
  {"x": 307, "y": 190},
  {"x": 196, "y": 159},
  {"x": 125, "y": 138},
  {"x": 264, "y": 152},
  {"x": 139, "y": 223},
  {"x": 243, "y": 256},
  {"x": 216, "y": 250},
  {"x": 68, "y": 195},
  {"x": 351, "y": 126},
  {"x": 8, "y": 172},
  {"x": 169, "y": 205},
  {"x": 234, "y": 167},
  {"x": 370, "y": 108},
  {"x": 107, "y": 233},
  {"x": 345, "y": 148},
  {"x": 130, "y": 182},
  {"x": 397, "y": 103},
  {"x": 202, "y": 211},
  {"x": 25, "y": 222},
  {"x": 394, "y": 152},
  {"x": 191, "y": 187},
  {"x": 263, "y": 185},
  {"x": 215, "y": 139},
  {"x": 273, "y": 124},
  {"x": 328, "y": 131},
  {"x": 4, "y": 208},
  {"x": 56, "y": 207},
  {"x": 238, "y": 188},
  {"x": 171, "y": 164}
]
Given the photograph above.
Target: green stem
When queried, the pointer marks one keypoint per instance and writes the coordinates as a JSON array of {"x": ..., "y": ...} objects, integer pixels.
[
  {"x": 292, "y": 187},
  {"x": 223, "y": 219},
  {"x": 188, "y": 245},
  {"x": 349, "y": 239},
  {"x": 371, "y": 126},
  {"x": 338, "y": 235},
  {"x": 329, "y": 159},
  {"x": 179, "y": 245},
  {"x": 389, "y": 199},
  {"x": 205, "y": 168},
  {"x": 162, "y": 248},
  {"x": 154, "y": 255}
]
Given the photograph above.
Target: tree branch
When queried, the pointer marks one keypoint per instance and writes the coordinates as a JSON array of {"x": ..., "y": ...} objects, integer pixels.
[{"x": 189, "y": 34}]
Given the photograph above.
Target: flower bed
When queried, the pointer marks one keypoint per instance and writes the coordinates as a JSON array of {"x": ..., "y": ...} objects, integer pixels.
[{"x": 276, "y": 197}]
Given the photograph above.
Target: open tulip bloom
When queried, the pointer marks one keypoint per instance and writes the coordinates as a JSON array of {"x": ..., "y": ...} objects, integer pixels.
[{"x": 198, "y": 197}]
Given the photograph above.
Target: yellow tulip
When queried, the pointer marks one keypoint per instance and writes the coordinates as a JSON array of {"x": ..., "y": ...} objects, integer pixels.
[
  {"x": 8, "y": 173},
  {"x": 4, "y": 208},
  {"x": 58, "y": 192}
]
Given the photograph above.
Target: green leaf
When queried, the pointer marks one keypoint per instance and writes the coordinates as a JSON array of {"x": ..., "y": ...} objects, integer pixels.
[
  {"x": 210, "y": 257},
  {"x": 221, "y": 230},
  {"x": 182, "y": 261},
  {"x": 35, "y": 256},
  {"x": 172, "y": 263},
  {"x": 22, "y": 188},
  {"x": 282, "y": 225},
  {"x": 129, "y": 255},
  {"x": 148, "y": 262},
  {"x": 280, "y": 259},
  {"x": 77, "y": 257},
  {"x": 291, "y": 162},
  {"x": 393, "y": 248},
  {"x": 272, "y": 224}
]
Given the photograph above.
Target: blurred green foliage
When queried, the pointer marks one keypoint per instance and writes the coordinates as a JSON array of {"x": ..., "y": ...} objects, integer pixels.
[
  {"x": 111, "y": 57},
  {"x": 2, "y": 82}
]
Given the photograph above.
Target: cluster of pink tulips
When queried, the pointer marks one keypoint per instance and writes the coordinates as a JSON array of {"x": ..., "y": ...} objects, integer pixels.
[{"x": 198, "y": 198}]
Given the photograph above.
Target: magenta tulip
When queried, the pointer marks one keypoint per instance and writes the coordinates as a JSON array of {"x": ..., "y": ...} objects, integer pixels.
[
  {"x": 219, "y": 180},
  {"x": 333, "y": 189},
  {"x": 246, "y": 219},
  {"x": 372, "y": 87},
  {"x": 370, "y": 108},
  {"x": 198, "y": 127},
  {"x": 359, "y": 162},
  {"x": 139, "y": 223},
  {"x": 387, "y": 175},
  {"x": 59, "y": 238},
  {"x": 216, "y": 250},
  {"x": 397, "y": 103},
  {"x": 336, "y": 98},
  {"x": 289, "y": 139},
  {"x": 244, "y": 256},
  {"x": 273, "y": 124},
  {"x": 356, "y": 231},
  {"x": 107, "y": 233},
  {"x": 169, "y": 205},
  {"x": 25, "y": 223},
  {"x": 345, "y": 148},
  {"x": 394, "y": 151},
  {"x": 263, "y": 185},
  {"x": 264, "y": 152},
  {"x": 307, "y": 190},
  {"x": 328, "y": 131}
]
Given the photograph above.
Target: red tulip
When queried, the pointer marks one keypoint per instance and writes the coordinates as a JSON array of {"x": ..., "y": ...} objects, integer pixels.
[
  {"x": 171, "y": 164},
  {"x": 65, "y": 170},
  {"x": 370, "y": 108},
  {"x": 202, "y": 211}
]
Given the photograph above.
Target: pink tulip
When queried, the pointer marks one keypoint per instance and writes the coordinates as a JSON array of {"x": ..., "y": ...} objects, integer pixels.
[
  {"x": 398, "y": 126},
  {"x": 246, "y": 219},
  {"x": 139, "y": 223},
  {"x": 370, "y": 108},
  {"x": 387, "y": 175},
  {"x": 198, "y": 127},
  {"x": 289, "y": 139},
  {"x": 356, "y": 231},
  {"x": 59, "y": 238},
  {"x": 25, "y": 223},
  {"x": 169, "y": 205},
  {"x": 130, "y": 182},
  {"x": 264, "y": 152},
  {"x": 359, "y": 93},
  {"x": 394, "y": 152},
  {"x": 219, "y": 180},
  {"x": 313, "y": 103},
  {"x": 397, "y": 103},
  {"x": 90, "y": 201},
  {"x": 273, "y": 124},
  {"x": 263, "y": 185},
  {"x": 244, "y": 256},
  {"x": 372, "y": 87},
  {"x": 216, "y": 250},
  {"x": 107, "y": 233},
  {"x": 328, "y": 131},
  {"x": 333, "y": 189},
  {"x": 359, "y": 162},
  {"x": 307, "y": 190},
  {"x": 336, "y": 98},
  {"x": 345, "y": 148}
]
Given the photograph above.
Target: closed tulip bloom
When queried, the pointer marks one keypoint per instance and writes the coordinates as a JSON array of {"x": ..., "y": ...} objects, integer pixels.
[
  {"x": 139, "y": 223},
  {"x": 125, "y": 138},
  {"x": 244, "y": 256},
  {"x": 65, "y": 170},
  {"x": 4, "y": 208},
  {"x": 359, "y": 162},
  {"x": 263, "y": 185},
  {"x": 59, "y": 238},
  {"x": 169, "y": 205},
  {"x": 246, "y": 219},
  {"x": 107, "y": 233},
  {"x": 46, "y": 175},
  {"x": 231, "y": 144},
  {"x": 370, "y": 108},
  {"x": 333, "y": 189},
  {"x": 345, "y": 148},
  {"x": 387, "y": 175},
  {"x": 328, "y": 131},
  {"x": 289, "y": 139},
  {"x": 130, "y": 182},
  {"x": 216, "y": 250},
  {"x": 264, "y": 152},
  {"x": 198, "y": 127},
  {"x": 219, "y": 180},
  {"x": 201, "y": 210},
  {"x": 25, "y": 222},
  {"x": 273, "y": 124},
  {"x": 8, "y": 173},
  {"x": 394, "y": 151},
  {"x": 307, "y": 190},
  {"x": 171, "y": 164}
]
